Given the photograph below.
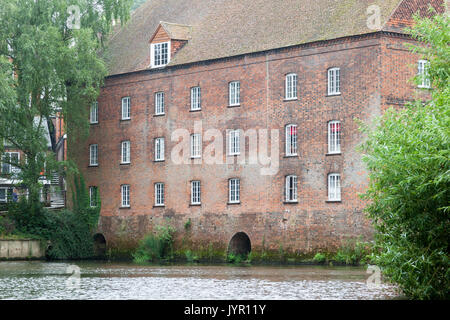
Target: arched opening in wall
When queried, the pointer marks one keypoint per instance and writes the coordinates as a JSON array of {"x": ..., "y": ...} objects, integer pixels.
[
  {"x": 99, "y": 245},
  {"x": 240, "y": 244}
]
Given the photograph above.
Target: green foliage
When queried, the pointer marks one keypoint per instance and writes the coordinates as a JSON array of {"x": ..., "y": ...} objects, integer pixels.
[
  {"x": 235, "y": 258},
  {"x": 57, "y": 69},
  {"x": 81, "y": 202},
  {"x": 408, "y": 158},
  {"x": 353, "y": 252},
  {"x": 281, "y": 253},
  {"x": 69, "y": 233},
  {"x": 436, "y": 32},
  {"x": 6, "y": 225},
  {"x": 155, "y": 247},
  {"x": 188, "y": 225},
  {"x": 191, "y": 256},
  {"x": 319, "y": 258},
  {"x": 70, "y": 237}
]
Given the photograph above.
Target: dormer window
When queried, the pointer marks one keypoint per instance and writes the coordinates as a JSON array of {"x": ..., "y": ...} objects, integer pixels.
[
  {"x": 167, "y": 40},
  {"x": 160, "y": 54}
]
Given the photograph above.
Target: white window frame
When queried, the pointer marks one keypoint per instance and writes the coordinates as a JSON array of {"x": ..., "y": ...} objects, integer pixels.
[
  {"x": 196, "y": 96},
  {"x": 125, "y": 152},
  {"x": 125, "y": 195},
  {"x": 334, "y": 138},
  {"x": 93, "y": 202},
  {"x": 234, "y": 93},
  {"x": 291, "y": 147},
  {"x": 5, "y": 199},
  {"x": 93, "y": 155},
  {"x": 159, "y": 149},
  {"x": 11, "y": 168},
  {"x": 425, "y": 82},
  {"x": 196, "y": 145},
  {"x": 234, "y": 142},
  {"x": 291, "y": 184},
  {"x": 153, "y": 48},
  {"x": 234, "y": 190},
  {"x": 94, "y": 112},
  {"x": 126, "y": 108},
  {"x": 291, "y": 86},
  {"x": 334, "y": 81},
  {"x": 160, "y": 103},
  {"x": 159, "y": 194},
  {"x": 334, "y": 187},
  {"x": 195, "y": 192}
]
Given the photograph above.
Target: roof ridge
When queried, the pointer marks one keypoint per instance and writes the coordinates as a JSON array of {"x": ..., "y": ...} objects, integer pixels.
[{"x": 177, "y": 24}]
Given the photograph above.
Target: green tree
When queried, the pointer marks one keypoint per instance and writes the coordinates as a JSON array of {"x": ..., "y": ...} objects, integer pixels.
[
  {"x": 57, "y": 69},
  {"x": 407, "y": 156}
]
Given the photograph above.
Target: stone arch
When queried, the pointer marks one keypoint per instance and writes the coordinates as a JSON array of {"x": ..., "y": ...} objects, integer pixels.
[
  {"x": 240, "y": 244},
  {"x": 99, "y": 245}
]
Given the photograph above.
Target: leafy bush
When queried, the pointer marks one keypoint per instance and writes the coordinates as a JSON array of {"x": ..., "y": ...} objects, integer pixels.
[
  {"x": 236, "y": 258},
  {"x": 353, "y": 252},
  {"x": 70, "y": 237},
  {"x": 155, "y": 247},
  {"x": 69, "y": 233},
  {"x": 6, "y": 225},
  {"x": 408, "y": 158},
  {"x": 319, "y": 258},
  {"x": 191, "y": 256}
]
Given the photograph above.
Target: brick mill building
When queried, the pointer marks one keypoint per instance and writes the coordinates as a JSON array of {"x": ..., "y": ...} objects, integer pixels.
[{"x": 180, "y": 72}]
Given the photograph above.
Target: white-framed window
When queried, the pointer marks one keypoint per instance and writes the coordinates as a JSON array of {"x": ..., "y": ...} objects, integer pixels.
[
  {"x": 196, "y": 98},
  {"x": 93, "y": 155},
  {"x": 234, "y": 142},
  {"x": 159, "y": 194},
  {"x": 7, "y": 159},
  {"x": 126, "y": 152},
  {"x": 234, "y": 93},
  {"x": 94, "y": 112},
  {"x": 93, "y": 193},
  {"x": 159, "y": 149},
  {"x": 196, "y": 145},
  {"x": 291, "y": 86},
  {"x": 234, "y": 187},
  {"x": 160, "y": 54},
  {"x": 195, "y": 192},
  {"x": 423, "y": 66},
  {"x": 334, "y": 81},
  {"x": 334, "y": 137},
  {"x": 291, "y": 189},
  {"x": 125, "y": 191},
  {"x": 126, "y": 108},
  {"x": 159, "y": 103},
  {"x": 4, "y": 194},
  {"x": 291, "y": 140},
  {"x": 334, "y": 187}
]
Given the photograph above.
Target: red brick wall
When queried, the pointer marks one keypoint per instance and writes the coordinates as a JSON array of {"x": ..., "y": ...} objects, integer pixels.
[{"x": 371, "y": 73}]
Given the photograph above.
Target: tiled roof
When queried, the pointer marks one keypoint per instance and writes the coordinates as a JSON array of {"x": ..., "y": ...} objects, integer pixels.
[
  {"x": 177, "y": 31},
  {"x": 402, "y": 16},
  {"x": 224, "y": 28}
]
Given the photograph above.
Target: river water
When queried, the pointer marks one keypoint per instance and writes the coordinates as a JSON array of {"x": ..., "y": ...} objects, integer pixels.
[{"x": 111, "y": 280}]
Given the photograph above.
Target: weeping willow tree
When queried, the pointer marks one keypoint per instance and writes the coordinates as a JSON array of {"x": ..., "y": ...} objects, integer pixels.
[{"x": 49, "y": 63}]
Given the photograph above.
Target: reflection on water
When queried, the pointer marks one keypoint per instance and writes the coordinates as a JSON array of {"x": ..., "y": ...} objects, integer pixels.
[{"x": 103, "y": 280}]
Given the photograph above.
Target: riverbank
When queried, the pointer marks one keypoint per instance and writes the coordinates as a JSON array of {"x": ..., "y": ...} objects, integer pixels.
[{"x": 21, "y": 249}]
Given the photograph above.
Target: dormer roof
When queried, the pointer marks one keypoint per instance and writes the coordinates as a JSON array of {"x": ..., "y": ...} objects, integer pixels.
[{"x": 174, "y": 31}]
